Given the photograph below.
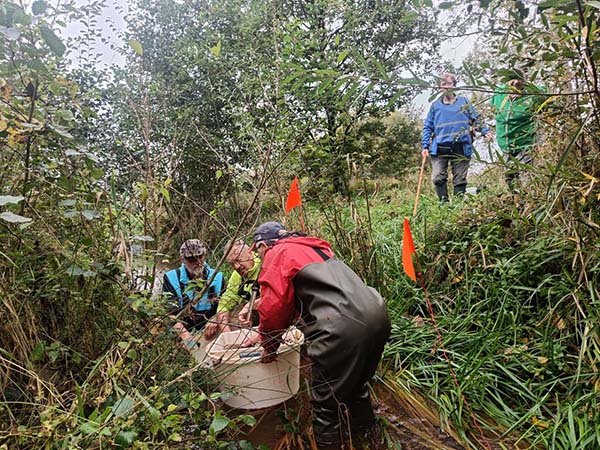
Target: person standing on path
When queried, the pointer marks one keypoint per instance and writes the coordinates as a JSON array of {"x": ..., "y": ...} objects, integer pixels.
[
  {"x": 345, "y": 322},
  {"x": 448, "y": 138},
  {"x": 515, "y": 125}
]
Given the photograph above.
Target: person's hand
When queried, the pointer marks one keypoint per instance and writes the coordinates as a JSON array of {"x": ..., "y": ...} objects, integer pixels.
[
  {"x": 244, "y": 317},
  {"x": 183, "y": 333},
  {"x": 219, "y": 323},
  {"x": 268, "y": 357},
  {"x": 425, "y": 152},
  {"x": 251, "y": 340}
]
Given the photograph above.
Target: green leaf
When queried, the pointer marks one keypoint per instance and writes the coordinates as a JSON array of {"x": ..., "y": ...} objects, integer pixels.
[
  {"x": 38, "y": 7},
  {"x": 446, "y": 5},
  {"x": 248, "y": 419},
  {"x": 219, "y": 173},
  {"x": 124, "y": 439},
  {"x": 88, "y": 427},
  {"x": 90, "y": 214},
  {"x": 593, "y": 4},
  {"x": 55, "y": 44},
  {"x": 218, "y": 423},
  {"x": 71, "y": 213},
  {"x": 143, "y": 238},
  {"x": 5, "y": 199},
  {"x": 342, "y": 56},
  {"x": 76, "y": 271},
  {"x": 123, "y": 407},
  {"x": 216, "y": 50},
  {"x": 165, "y": 194},
  {"x": 136, "y": 46},
  {"x": 60, "y": 131},
  {"x": 175, "y": 437},
  {"x": 97, "y": 173},
  {"x": 12, "y": 34},
  {"x": 38, "y": 351},
  {"x": 14, "y": 218}
]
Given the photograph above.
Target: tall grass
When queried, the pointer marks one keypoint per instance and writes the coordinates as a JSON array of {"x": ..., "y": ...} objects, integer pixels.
[{"x": 512, "y": 281}]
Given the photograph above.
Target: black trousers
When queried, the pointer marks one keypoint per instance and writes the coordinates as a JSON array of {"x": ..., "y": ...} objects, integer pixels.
[{"x": 340, "y": 375}]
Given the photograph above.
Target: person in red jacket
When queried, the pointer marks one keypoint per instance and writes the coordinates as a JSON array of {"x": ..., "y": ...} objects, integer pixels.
[{"x": 345, "y": 323}]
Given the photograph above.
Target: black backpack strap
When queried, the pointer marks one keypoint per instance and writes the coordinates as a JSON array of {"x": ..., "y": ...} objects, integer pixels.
[{"x": 321, "y": 253}]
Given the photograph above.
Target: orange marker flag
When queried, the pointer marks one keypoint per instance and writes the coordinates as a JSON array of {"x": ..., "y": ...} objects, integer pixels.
[
  {"x": 293, "y": 198},
  {"x": 408, "y": 249}
]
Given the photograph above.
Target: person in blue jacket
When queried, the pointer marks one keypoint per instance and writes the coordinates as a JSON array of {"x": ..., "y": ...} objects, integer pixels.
[
  {"x": 448, "y": 138},
  {"x": 181, "y": 287}
]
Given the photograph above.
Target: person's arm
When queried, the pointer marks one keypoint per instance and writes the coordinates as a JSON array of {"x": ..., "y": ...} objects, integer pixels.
[
  {"x": 228, "y": 301},
  {"x": 230, "y": 298},
  {"x": 170, "y": 296},
  {"x": 277, "y": 308},
  {"x": 428, "y": 129},
  {"x": 478, "y": 123}
]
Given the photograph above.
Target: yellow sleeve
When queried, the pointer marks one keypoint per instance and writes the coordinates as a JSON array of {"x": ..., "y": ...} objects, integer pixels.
[{"x": 230, "y": 298}]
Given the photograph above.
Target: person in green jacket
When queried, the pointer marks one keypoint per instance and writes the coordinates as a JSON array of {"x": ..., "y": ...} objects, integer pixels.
[
  {"x": 242, "y": 281},
  {"x": 515, "y": 108}
]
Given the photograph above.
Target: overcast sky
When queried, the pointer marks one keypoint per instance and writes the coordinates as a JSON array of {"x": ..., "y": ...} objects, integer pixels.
[{"x": 111, "y": 22}]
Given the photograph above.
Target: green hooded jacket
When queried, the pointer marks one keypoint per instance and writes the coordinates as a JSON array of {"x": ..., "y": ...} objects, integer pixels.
[
  {"x": 239, "y": 289},
  {"x": 515, "y": 119}
]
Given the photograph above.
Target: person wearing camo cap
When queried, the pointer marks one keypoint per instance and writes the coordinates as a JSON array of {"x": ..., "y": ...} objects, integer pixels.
[{"x": 182, "y": 286}]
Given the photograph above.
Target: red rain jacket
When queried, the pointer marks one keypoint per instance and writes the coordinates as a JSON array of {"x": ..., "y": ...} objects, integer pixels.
[{"x": 282, "y": 262}]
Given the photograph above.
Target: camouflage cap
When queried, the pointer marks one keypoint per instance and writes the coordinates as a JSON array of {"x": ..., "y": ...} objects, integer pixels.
[{"x": 192, "y": 247}]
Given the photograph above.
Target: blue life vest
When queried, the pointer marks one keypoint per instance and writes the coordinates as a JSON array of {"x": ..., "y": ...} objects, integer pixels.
[{"x": 179, "y": 277}]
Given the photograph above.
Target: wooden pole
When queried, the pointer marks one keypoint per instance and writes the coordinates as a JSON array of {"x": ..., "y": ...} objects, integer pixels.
[
  {"x": 302, "y": 219},
  {"x": 419, "y": 184}
]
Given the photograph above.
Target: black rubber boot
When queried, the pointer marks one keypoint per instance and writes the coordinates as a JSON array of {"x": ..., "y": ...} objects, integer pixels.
[
  {"x": 362, "y": 417},
  {"x": 328, "y": 426},
  {"x": 442, "y": 192},
  {"x": 460, "y": 190}
]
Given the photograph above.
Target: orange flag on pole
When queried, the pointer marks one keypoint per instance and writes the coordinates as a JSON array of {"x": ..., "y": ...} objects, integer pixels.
[
  {"x": 293, "y": 198},
  {"x": 408, "y": 249}
]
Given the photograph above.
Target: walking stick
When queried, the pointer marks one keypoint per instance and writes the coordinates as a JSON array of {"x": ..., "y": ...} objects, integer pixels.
[{"x": 419, "y": 184}]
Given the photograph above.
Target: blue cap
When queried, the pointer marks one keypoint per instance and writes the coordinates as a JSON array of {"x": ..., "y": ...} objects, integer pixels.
[{"x": 268, "y": 231}]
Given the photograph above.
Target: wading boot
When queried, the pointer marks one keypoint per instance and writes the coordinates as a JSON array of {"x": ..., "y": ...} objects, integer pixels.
[
  {"x": 442, "y": 192},
  {"x": 459, "y": 191}
]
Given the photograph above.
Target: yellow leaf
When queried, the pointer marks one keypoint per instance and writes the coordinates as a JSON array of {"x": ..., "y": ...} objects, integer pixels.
[
  {"x": 539, "y": 423},
  {"x": 589, "y": 177},
  {"x": 542, "y": 360},
  {"x": 171, "y": 407},
  {"x": 548, "y": 100},
  {"x": 3, "y": 124},
  {"x": 5, "y": 91}
]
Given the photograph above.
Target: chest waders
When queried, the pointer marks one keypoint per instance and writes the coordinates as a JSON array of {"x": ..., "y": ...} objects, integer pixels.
[{"x": 346, "y": 325}]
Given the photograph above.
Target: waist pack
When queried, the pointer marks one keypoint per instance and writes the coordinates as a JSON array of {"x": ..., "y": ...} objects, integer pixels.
[{"x": 449, "y": 149}]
